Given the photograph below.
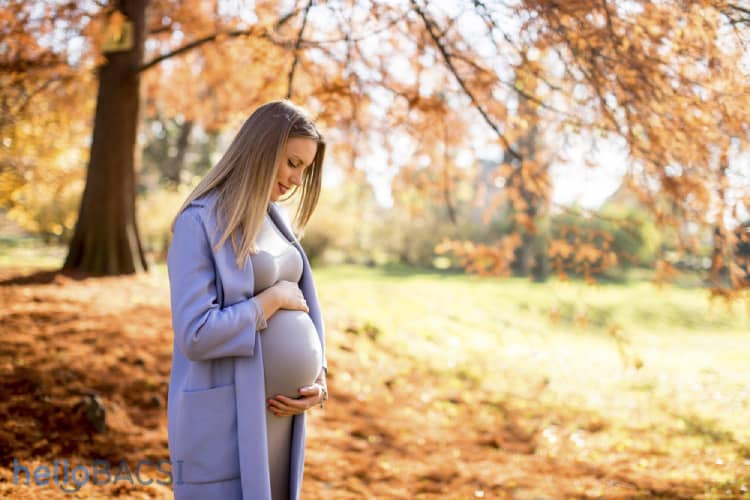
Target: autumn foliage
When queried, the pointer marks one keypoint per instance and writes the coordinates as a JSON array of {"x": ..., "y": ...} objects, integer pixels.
[{"x": 416, "y": 83}]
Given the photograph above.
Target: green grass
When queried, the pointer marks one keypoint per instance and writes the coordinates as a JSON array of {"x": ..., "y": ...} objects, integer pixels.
[
  {"x": 693, "y": 354},
  {"x": 526, "y": 306},
  {"x": 27, "y": 252}
]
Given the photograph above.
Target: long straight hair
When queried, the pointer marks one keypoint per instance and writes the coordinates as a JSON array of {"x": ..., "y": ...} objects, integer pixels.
[{"x": 245, "y": 175}]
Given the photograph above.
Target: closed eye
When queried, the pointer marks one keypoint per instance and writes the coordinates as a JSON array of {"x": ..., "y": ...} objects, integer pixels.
[{"x": 291, "y": 164}]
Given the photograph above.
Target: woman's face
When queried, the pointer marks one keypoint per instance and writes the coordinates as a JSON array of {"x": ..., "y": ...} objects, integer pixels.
[{"x": 298, "y": 156}]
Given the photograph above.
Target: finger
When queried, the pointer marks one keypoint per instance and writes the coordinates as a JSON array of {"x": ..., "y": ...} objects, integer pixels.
[
  {"x": 279, "y": 406},
  {"x": 293, "y": 403},
  {"x": 285, "y": 411},
  {"x": 281, "y": 398},
  {"x": 311, "y": 390},
  {"x": 280, "y": 411},
  {"x": 299, "y": 405},
  {"x": 276, "y": 406}
]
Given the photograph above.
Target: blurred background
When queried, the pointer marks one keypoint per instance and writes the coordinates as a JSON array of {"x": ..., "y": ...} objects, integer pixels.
[{"x": 534, "y": 222}]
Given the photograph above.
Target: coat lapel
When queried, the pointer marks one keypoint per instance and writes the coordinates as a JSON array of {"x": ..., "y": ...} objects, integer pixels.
[{"x": 276, "y": 216}]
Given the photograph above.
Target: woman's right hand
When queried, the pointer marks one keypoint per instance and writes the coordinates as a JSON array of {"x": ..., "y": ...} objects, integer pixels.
[{"x": 289, "y": 296}]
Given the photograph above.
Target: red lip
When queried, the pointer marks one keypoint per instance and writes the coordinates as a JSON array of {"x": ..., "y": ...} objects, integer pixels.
[{"x": 283, "y": 188}]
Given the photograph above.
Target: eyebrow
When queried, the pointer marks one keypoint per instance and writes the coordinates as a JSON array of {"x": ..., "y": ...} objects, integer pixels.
[{"x": 299, "y": 161}]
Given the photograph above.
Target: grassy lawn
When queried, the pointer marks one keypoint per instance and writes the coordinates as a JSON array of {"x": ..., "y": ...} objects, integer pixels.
[
  {"x": 663, "y": 368},
  {"x": 27, "y": 253}
]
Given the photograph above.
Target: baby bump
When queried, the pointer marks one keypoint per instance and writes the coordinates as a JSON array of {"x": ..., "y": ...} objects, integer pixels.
[{"x": 292, "y": 356}]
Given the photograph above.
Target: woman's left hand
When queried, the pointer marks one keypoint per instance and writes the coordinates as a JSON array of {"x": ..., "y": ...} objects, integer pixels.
[{"x": 311, "y": 395}]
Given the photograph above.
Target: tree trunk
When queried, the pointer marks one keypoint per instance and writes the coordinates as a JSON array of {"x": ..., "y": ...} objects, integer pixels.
[
  {"x": 176, "y": 164},
  {"x": 719, "y": 272},
  {"x": 525, "y": 253},
  {"x": 541, "y": 270},
  {"x": 105, "y": 240}
]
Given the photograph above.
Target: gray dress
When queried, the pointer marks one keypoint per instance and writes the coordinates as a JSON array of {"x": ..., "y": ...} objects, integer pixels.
[{"x": 292, "y": 355}]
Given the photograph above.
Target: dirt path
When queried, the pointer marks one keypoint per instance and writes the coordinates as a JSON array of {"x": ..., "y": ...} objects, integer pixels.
[{"x": 392, "y": 428}]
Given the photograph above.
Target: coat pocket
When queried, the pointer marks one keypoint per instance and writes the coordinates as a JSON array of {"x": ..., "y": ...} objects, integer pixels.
[{"x": 206, "y": 447}]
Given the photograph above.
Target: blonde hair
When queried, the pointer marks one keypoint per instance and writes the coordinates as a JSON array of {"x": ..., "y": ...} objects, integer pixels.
[{"x": 245, "y": 175}]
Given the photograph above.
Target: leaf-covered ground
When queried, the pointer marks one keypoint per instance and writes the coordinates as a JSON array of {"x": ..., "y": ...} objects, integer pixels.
[{"x": 441, "y": 387}]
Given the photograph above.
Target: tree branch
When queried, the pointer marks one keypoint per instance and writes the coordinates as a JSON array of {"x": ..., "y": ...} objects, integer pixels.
[
  {"x": 360, "y": 38},
  {"x": 431, "y": 27},
  {"x": 197, "y": 43},
  {"x": 295, "y": 51},
  {"x": 739, "y": 8}
]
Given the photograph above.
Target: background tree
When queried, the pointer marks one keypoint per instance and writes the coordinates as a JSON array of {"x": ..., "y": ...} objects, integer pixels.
[{"x": 105, "y": 239}]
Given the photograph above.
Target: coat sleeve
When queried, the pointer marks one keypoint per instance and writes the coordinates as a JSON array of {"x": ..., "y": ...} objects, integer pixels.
[{"x": 203, "y": 329}]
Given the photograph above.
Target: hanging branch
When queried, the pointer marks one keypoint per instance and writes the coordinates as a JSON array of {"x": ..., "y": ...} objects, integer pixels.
[
  {"x": 296, "y": 49},
  {"x": 197, "y": 43},
  {"x": 431, "y": 29}
]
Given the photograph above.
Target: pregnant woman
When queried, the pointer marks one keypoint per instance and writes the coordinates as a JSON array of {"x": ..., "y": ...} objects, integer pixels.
[{"x": 249, "y": 344}]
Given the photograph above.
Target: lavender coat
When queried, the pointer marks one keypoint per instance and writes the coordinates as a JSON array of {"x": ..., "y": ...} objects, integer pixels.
[{"x": 216, "y": 408}]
